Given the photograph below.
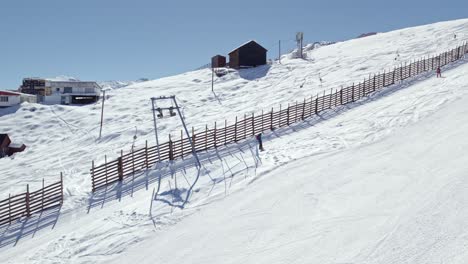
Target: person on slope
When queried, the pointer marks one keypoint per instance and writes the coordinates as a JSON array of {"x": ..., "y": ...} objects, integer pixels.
[
  {"x": 439, "y": 72},
  {"x": 260, "y": 143}
]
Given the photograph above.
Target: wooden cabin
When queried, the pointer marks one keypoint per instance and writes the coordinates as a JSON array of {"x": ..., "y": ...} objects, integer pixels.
[{"x": 250, "y": 54}]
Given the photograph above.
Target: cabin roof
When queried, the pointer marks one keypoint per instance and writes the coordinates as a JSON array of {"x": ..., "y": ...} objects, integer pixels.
[{"x": 248, "y": 42}]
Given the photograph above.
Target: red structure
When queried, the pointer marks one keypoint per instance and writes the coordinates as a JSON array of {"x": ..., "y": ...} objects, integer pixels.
[{"x": 7, "y": 148}]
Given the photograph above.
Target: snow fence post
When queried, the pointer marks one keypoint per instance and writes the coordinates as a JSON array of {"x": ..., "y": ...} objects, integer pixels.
[
  {"x": 61, "y": 188},
  {"x": 341, "y": 96},
  {"x": 287, "y": 118},
  {"x": 120, "y": 166},
  {"x": 295, "y": 113},
  {"x": 253, "y": 124},
  {"x": 279, "y": 117},
  {"x": 316, "y": 104},
  {"x": 352, "y": 93},
  {"x": 171, "y": 153},
  {"x": 262, "y": 129},
  {"x": 9, "y": 209},
  {"x": 383, "y": 82},
  {"x": 146, "y": 154},
  {"x": 92, "y": 175},
  {"x": 401, "y": 71},
  {"x": 245, "y": 126},
  {"x": 303, "y": 109},
  {"x": 214, "y": 136},
  {"x": 225, "y": 131},
  {"x": 193, "y": 136},
  {"x": 42, "y": 200},
  {"x": 28, "y": 212},
  {"x": 235, "y": 130},
  {"x": 206, "y": 137},
  {"x": 105, "y": 166},
  {"x": 271, "y": 119}
]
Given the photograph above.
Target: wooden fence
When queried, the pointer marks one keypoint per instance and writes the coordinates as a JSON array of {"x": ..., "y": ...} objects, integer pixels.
[
  {"x": 29, "y": 203},
  {"x": 141, "y": 159}
]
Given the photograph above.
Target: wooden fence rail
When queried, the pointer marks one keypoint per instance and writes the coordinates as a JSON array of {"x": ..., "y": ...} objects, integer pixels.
[
  {"x": 141, "y": 159},
  {"x": 26, "y": 204}
]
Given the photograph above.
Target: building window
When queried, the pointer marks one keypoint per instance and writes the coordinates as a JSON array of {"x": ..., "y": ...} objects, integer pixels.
[
  {"x": 3, "y": 98},
  {"x": 89, "y": 90},
  {"x": 67, "y": 90}
]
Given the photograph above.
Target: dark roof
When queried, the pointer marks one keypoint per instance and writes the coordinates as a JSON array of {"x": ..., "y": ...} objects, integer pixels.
[{"x": 248, "y": 42}]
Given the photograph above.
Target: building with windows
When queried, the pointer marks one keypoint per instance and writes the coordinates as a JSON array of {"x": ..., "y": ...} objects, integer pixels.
[
  {"x": 10, "y": 98},
  {"x": 50, "y": 91}
]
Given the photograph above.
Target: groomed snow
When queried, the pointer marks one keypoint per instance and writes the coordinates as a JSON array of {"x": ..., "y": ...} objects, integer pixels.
[{"x": 369, "y": 184}]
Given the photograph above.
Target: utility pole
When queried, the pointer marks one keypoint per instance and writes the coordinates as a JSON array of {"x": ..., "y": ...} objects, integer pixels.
[
  {"x": 279, "y": 51},
  {"x": 102, "y": 111},
  {"x": 212, "y": 79},
  {"x": 299, "y": 38}
]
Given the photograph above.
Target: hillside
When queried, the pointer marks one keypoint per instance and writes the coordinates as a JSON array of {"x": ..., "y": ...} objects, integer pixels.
[{"x": 365, "y": 174}]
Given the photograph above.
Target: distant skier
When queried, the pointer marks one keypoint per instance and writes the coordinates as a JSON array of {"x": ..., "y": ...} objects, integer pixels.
[
  {"x": 260, "y": 143},
  {"x": 439, "y": 72}
]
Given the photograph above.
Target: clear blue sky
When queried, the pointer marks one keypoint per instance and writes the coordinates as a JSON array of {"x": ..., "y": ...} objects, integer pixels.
[{"x": 127, "y": 40}]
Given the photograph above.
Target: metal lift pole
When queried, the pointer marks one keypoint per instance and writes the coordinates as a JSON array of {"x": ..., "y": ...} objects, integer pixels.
[
  {"x": 186, "y": 131},
  {"x": 155, "y": 129}
]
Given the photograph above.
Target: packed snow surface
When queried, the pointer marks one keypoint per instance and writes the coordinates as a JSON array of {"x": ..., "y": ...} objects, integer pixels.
[{"x": 380, "y": 181}]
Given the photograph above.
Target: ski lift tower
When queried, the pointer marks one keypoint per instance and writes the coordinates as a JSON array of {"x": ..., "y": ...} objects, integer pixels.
[{"x": 171, "y": 109}]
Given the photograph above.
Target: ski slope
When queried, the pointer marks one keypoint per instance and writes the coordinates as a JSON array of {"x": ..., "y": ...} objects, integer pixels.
[
  {"x": 354, "y": 182},
  {"x": 401, "y": 199},
  {"x": 65, "y": 138}
]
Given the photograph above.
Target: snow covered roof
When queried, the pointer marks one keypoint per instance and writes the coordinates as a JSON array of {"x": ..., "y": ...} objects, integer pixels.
[
  {"x": 63, "y": 79},
  {"x": 246, "y": 44}
]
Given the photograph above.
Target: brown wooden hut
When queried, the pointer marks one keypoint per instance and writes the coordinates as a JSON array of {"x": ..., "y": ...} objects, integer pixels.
[
  {"x": 218, "y": 61},
  {"x": 250, "y": 54}
]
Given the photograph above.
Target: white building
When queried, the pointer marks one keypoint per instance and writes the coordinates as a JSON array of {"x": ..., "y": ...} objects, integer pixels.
[
  {"x": 10, "y": 98},
  {"x": 50, "y": 91}
]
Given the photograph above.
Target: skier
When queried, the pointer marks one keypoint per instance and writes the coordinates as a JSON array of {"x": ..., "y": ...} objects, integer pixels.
[
  {"x": 260, "y": 143},
  {"x": 439, "y": 73}
]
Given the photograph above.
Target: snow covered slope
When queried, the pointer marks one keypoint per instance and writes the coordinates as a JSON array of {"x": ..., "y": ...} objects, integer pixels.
[
  {"x": 402, "y": 199},
  {"x": 64, "y": 138},
  {"x": 381, "y": 182}
]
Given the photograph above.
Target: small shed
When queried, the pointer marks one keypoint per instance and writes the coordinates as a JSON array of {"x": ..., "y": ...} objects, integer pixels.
[
  {"x": 250, "y": 54},
  {"x": 7, "y": 148},
  {"x": 218, "y": 61}
]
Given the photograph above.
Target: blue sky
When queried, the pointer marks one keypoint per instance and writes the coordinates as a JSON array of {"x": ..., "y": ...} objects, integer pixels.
[{"x": 127, "y": 40}]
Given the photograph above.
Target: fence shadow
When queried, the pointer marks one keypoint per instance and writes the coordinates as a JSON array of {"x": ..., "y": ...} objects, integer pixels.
[
  {"x": 143, "y": 179},
  {"x": 28, "y": 226}
]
